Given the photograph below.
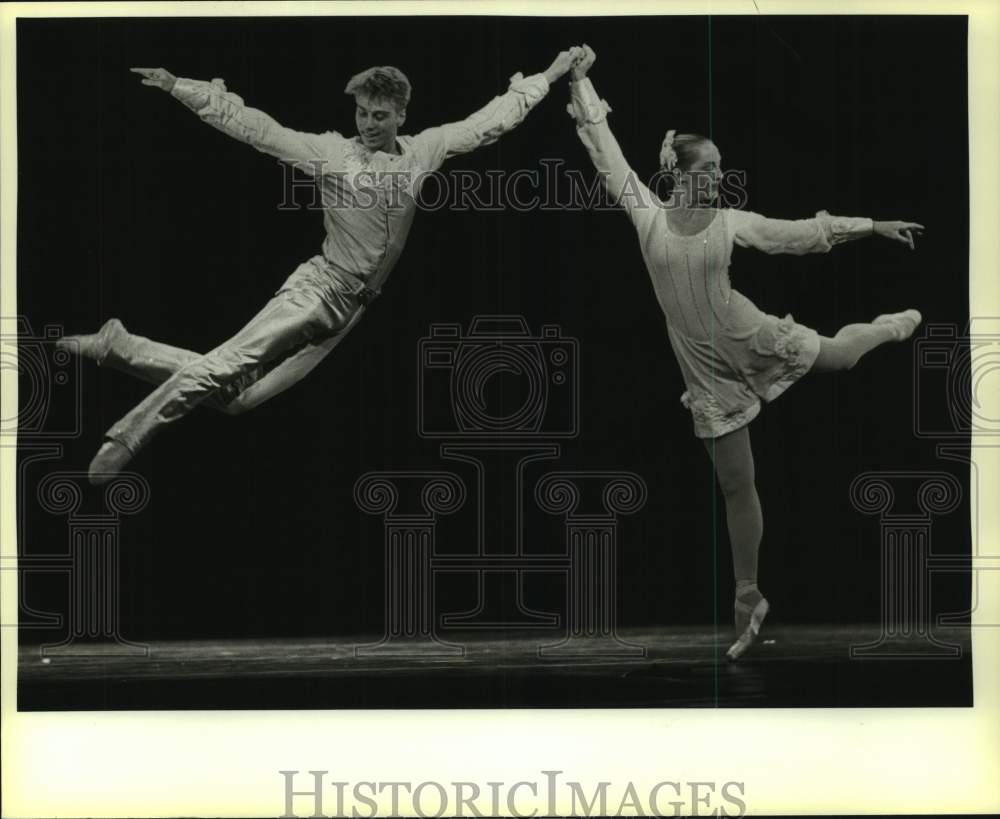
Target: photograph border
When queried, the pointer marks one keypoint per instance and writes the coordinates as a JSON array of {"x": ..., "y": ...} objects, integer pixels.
[{"x": 802, "y": 761}]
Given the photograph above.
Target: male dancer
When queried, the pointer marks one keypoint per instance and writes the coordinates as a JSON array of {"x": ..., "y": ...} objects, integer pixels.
[{"x": 368, "y": 183}]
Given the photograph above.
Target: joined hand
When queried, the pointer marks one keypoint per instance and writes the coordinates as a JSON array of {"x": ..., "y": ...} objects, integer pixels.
[
  {"x": 583, "y": 63},
  {"x": 562, "y": 63}
]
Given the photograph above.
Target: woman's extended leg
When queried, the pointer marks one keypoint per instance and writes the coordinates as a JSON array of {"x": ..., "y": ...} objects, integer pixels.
[{"x": 851, "y": 342}]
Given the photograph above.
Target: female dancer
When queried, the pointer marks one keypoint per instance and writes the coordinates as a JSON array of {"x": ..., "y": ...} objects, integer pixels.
[{"x": 731, "y": 354}]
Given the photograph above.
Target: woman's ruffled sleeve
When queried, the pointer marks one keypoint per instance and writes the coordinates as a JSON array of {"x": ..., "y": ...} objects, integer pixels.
[
  {"x": 590, "y": 113},
  {"x": 795, "y": 236}
]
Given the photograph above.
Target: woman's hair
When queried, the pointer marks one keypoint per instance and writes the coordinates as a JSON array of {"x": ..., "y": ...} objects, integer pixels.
[
  {"x": 681, "y": 150},
  {"x": 382, "y": 83},
  {"x": 678, "y": 153}
]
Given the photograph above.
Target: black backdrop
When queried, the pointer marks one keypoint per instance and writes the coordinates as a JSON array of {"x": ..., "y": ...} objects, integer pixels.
[{"x": 130, "y": 207}]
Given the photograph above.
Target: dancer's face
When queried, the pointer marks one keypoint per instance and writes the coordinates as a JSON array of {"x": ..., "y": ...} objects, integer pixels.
[
  {"x": 700, "y": 183},
  {"x": 378, "y": 122}
]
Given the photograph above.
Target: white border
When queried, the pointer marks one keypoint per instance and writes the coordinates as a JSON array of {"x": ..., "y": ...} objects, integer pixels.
[{"x": 792, "y": 761}]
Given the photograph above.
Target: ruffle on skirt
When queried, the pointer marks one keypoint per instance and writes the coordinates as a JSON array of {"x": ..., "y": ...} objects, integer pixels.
[
  {"x": 712, "y": 418},
  {"x": 760, "y": 367},
  {"x": 781, "y": 352}
]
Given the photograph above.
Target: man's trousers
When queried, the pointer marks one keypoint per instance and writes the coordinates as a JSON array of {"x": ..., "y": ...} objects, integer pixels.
[{"x": 297, "y": 328}]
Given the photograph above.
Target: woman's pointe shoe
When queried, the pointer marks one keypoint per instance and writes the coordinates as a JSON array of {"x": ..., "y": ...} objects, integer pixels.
[
  {"x": 903, "y": 324},
  {"x": 748, "y": 621}
]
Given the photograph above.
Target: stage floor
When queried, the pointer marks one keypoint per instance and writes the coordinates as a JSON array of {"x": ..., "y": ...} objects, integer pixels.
[{"x": 789, "y": 666}]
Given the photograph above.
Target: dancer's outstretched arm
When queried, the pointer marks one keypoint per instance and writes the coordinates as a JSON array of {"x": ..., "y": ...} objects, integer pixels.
[
  {"x": 499, "y": 116},
  {"x": 590, "y": 113},
  {"x": 816, "y": 235},
  {"x": 224, "y": 110}
]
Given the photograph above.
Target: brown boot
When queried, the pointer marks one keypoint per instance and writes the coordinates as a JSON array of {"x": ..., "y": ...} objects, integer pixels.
[
  {"x": 110, "y": 459},
  {"x": 95, "y": 346}
]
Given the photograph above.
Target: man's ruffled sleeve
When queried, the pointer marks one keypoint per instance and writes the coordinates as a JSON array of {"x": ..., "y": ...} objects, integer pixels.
[
  {"x": 499, "y": 116},
  {"x": 314, "y": 153}
]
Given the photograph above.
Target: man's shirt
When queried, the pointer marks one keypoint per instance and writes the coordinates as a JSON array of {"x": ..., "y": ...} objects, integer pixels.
[{"x": 369, "y": 197}]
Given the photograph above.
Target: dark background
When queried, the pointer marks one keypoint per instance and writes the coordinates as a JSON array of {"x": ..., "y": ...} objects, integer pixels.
[{"x": 129, "y": 206}]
